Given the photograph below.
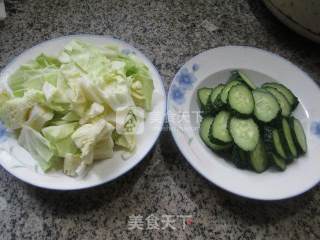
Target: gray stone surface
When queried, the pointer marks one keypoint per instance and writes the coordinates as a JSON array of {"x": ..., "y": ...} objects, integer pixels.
[{"x": 169, "y": 33}]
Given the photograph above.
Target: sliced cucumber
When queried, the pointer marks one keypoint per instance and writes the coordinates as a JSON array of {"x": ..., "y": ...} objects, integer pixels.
[
  {"x": 299, "y": 136},
  {"x": 279, "y": 162},
  {"x": 203, "y": 96},
  {"x": 204, "y": 134},
  {"x": 244, "y": 132},
  {"x": 283, "y": 102},
  {"x": 219, "y": 129},
  {"x": 225, "y": 91},
  {"x": 234, "y": 76},
  {"x": 267, "y": 138},
  {"x": 287, "y": 136},
  {"x": 235, "y": 113},
  {"x": 278, "y": 144},
  {"x": 240, "y": 99},
  {"x": 292, "y": 99},
  {"x": 215, "y": 104},
  {"x": 246, "y": 80},
  {"x": 266, "y": 107},
  {"x": 239, "y": 158},
  {"x": 274, "y": 143},
  {"x": 259, "y": 158}
]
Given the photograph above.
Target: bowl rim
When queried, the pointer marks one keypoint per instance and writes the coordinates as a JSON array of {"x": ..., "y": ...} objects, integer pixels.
[{"x": 291, "y": 23}]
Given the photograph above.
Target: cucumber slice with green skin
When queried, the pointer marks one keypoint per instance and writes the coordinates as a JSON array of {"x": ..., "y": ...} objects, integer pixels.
[
  {"x": 279, "y": 162},
  {"x": 234, "y": 76},
  {"x": 292, "y": 99},
  {"x": 278, "y": 144},
  {"x": 283, "y": 102},
  {"x": 204, "y": 135},
  {"x": 298, "y": 134},
  {"x": 203, "y": 96},
  {"x": 266, "y": 107},
  {"x": 259, "y": 158},
  {"x": 287, "y": 136},
  {"x": 245, "y": 133},
  {"x": 219, "y": 129},
  {"x": 215, "y": 104},
  {"x": 273, "y": 142},
  {"x": 240, "y": 99},
  {"x": 246, "y": 80},
  {"x": 267, "y": 138},
  {"x": 239, "y": 158},
  {"x": 238, "y": 75},
  {"x": 225, "y": 91}
]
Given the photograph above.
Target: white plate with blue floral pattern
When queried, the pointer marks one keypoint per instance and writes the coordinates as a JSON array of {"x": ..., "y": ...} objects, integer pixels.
[
  {"x": 213, "y": 67},
  {"x": 19, "y": 162}
]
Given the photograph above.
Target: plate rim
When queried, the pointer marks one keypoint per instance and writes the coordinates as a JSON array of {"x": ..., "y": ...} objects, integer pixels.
[
  {"x": 163, "y": 113},
  {"x": 192, "y": 163}
]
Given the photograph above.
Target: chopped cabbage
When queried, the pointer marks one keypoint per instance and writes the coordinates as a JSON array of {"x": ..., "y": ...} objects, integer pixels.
[
  {"x": 94, "y": 111},
  {"x": 71, "y": 163},
  {"x": 89, "y": 135},
  {"x": 4, "y": 96},
  {"x": 73, "y": 109},
  {"x": 117, "y": 95},
  {"x": 60, "y": 137},
  {"x": 38, "y": 117},
  {"x": 126, "y": 141},
  {"x": 14, "y": 112},
  {"x": 56, "y": 133},
  {"x": 34, "y": 74},
  {"x": 39, "y": 147}
]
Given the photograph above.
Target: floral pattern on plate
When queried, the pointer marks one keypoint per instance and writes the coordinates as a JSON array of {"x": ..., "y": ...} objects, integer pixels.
[
  {"x": 315, "y": 128},
  {"x": 3, "y": 132},
  {"x": 183, "y": 82}
]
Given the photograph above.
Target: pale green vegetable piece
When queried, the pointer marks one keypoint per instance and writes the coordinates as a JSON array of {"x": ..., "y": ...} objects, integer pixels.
[
  {"x": 71, "y": 163},
  {"x": 56, "y": 133},
  {"x": 71, "y": 71},
  {"x": 55, "y": 99},
  {"x": 39, "y": 147},
  {"x": 80, "y": 53},
  {"x": 4, "y": 96},
  {"x": 33, "y": 75},
  {"x": 90, "y": 90},
  {"x": 14, "y": 112},
  {"x": 77, "y": 100},
  {"x": 127, "y": 127},
  {"x": 128, "y": 120},
  {"x": 38, "y": 117},
  {"x": 60, "y": 137},
  {"x": 88, "y": 135},
  {"x": 117, "y": 95},
  {"x": 65, "y": 146},
  {"x": 71, "y": 117},
  {"x": 126, "y": 141},
  {"x": 52, "y": 94},
  {"x": 104, "y": 148},
  {"x": 82, "y": 170},
  {"x": 94, "y": 110},
  {"x": 142, "y": 92}
]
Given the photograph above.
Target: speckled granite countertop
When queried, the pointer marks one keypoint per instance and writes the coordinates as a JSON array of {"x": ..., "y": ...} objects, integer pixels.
[{"x": 169, "y": 33}]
